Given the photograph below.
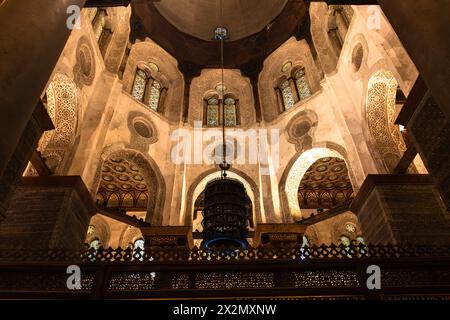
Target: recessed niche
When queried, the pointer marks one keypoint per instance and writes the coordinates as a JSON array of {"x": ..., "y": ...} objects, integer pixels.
[
  {"x": 142, "y": 129},
  {"x": 357, "y": 57}
]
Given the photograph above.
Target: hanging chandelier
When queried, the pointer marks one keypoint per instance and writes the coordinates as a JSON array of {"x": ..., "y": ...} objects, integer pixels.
[{"x": 225, "y": 213}]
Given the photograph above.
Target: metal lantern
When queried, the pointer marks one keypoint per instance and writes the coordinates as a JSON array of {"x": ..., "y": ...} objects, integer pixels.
[{"x": 225, "y": 215}]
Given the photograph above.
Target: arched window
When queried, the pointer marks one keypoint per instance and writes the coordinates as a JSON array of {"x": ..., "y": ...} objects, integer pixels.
[
  {"x": 344, "y": 240},
  {"x": 381, "y": 108},
  {"x": 302, "y": 85},
  {"x": 212, "y": 112},
  {"x": 288, "y": 96},
  {"x": 147, "y": 90},
  {"x": 214, "y": 108},
  {"x": 360, "y": 240},
  {"x": 230, "y": 112},
  {"x": 340, "y": 17},
  {"x": 155, "y": 93},
  {"x": 62, "y": 107},
  {"x": 140, "y": 83},
  {"x": 138, "y": 248},
  {"x": 295, "y": 88},
  {"x": 94, "y": 244},
  {"x": 102, "y": 28}
]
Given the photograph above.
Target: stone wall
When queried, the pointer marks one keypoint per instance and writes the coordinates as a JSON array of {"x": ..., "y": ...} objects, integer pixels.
[{"x": 47, "y": 213}]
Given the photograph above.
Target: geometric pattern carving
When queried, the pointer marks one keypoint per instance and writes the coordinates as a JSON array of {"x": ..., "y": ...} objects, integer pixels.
[
  {"x": 354, "y": 250},
  {"x": 328, "y": 278},
  {"x": 325, "y": 185},
  {"x": 139, "y": 85},
  {"x": 234, "y": 280},
  {"x": 301, "y": 82},
  {"x": 154, "y": 95},
  {"x": 99, "y": 22},
  {"x": 217, "y": 109},
  {"x": 380, "y": 114},
  {"x": 212, "y": 113},
  {"x": 298, "y": 170},
  {"x": 230, "y": 112},
  {"x": 132, "y": 281},
  {"x": 122, "y": 185},
  {"x": 425, "y": 276},
  {"x": 146, "y": 89},
  {"x": 288, "y": 96},
  {"x": 295, "y": 88},
  {"x": 62, "y": 109}
]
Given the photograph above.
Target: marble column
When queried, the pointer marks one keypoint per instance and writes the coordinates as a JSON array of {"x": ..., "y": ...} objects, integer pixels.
[
  {"x": 401, "y": 209},
  {"x": 32, "y": 37}
]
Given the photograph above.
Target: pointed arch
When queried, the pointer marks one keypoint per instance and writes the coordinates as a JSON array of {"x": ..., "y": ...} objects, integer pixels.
[
  {"x": 199, "y": 184},
  {"x": 147, "y": 182},
  {"x": 380, "y": 110},
  {"x": 295, "y": 171},
  {"x": 98, "y": 229}
]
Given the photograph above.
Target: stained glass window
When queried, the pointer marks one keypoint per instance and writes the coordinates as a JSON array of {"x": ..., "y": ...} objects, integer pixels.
[
  {"x": 140, "y": 82},
  {"x": 154, "y": 95},
  {"x": 95, "y": 244},
  {"x": 92, "y": 14},
  {"x": 98, "y": 24},
  {"x": 345, "y": 241},
  {"x": 302, "y": 84},
  {"x": 138, "y": 248},
  {"x": 212, "y": 113},
  {"x": 288, "y": 97},
  {"x": 230, "y": 112}
]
